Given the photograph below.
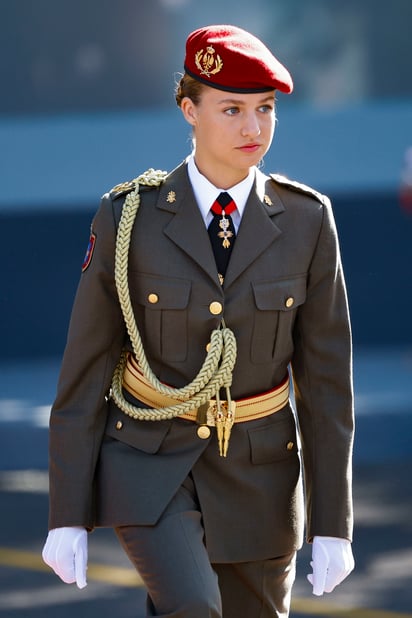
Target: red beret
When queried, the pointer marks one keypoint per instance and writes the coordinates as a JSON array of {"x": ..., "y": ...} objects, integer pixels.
[{"x": 229, "y": 58}]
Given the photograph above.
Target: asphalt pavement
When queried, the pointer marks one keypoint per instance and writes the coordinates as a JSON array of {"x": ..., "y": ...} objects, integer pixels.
[{"x": 380, "y": 586}]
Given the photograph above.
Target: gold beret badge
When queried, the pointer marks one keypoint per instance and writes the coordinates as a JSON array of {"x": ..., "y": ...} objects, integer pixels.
[{"x": 207, "y": 63}]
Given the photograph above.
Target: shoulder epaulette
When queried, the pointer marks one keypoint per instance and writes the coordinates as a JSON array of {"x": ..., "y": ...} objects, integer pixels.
[
  {"x": 297, "y": 186},
  {"x": 149, "y": 179},
  {"x": 124, "y": 187}
]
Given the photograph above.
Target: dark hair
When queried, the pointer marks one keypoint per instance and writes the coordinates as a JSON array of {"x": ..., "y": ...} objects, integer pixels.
[{"x": 188, "y": 87}]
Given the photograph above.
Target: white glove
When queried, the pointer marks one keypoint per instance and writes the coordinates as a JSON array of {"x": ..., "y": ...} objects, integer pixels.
[
  {"x": 65, "y": 551},
  {"x": 332, "y": 561}
]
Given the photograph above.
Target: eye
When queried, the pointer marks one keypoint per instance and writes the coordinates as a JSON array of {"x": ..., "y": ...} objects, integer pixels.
[
  {"x": 231, "y": 111},
  {"x": 266, "y": 109}
]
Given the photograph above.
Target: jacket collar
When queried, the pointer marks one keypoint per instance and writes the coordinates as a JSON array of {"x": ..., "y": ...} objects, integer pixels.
[{"x": 187, "y": 229}]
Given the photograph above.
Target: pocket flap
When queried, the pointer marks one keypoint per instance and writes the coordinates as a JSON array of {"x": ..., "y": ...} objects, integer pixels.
[
  {"x": 274, "y": 440},
  {"x": 280, "y": 295},
  {"x": 158, "y": 293},
  {"x": 146, "y": 436}
]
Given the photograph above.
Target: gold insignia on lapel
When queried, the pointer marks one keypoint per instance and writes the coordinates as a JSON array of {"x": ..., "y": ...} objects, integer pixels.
[
  {"x": 171, "y": 197},
  {"x": 207, "y": 63},
  {"x": 267, "y": 200}
]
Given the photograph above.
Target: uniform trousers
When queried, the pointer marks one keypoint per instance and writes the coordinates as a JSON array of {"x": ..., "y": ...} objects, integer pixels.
[{"x": 180, "y": 580}]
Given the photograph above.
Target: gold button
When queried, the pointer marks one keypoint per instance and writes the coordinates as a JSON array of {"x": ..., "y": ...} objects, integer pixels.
[
  {"x": 208, "y": 347},
  {"x": 153, "y": 298},
  {"x": 290, "y": 445},
  {"x": 203, "y": 432},
  {"x": 119, "y": 425},
  {"x": 215, "y": 308},
  {"x": 289, "y": 301}
]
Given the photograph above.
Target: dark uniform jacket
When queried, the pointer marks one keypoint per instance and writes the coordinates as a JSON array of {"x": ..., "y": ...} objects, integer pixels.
[{"x": 284, "y": 297}]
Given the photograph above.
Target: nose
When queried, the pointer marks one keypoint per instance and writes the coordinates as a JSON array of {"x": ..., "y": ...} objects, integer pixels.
[{"x": 251, "y": 127}]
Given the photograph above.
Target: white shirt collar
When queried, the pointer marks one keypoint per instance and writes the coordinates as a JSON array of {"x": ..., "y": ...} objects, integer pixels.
[{"x": 206, "y": 193}]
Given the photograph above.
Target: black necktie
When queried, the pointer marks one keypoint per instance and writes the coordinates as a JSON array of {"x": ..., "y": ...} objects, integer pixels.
[{"x": 222, "y": 231}]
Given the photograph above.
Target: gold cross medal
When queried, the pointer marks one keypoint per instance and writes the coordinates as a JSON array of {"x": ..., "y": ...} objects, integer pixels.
[{"x": 225, "y": 233}]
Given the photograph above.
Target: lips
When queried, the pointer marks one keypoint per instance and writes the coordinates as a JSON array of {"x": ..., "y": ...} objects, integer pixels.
[{"x": 249, "y": 148}]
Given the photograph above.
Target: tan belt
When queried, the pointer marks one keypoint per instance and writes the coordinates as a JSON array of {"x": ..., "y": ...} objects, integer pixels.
[{"x": 246, "y": 409}]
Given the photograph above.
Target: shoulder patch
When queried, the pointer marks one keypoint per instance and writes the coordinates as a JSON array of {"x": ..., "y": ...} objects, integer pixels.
[
  {"x": 89, "y": 252},
  {"x": 297, "y": 186}
]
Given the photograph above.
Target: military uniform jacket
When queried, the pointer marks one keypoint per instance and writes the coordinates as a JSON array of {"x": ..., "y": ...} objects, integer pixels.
[{"x": 284, "y": 297}]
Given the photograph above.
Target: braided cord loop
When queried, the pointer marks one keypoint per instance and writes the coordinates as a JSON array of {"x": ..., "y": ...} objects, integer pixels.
[{"x": 216, "y": 371}]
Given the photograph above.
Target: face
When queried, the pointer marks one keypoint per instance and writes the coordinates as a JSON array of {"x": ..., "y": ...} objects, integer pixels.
[{"x": 232, "y": 132}]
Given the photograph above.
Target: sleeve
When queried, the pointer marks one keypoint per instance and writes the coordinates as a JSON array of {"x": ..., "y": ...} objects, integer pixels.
[
  {"x": 323, "y": 386},
  {"x": 95, "y": 338}
]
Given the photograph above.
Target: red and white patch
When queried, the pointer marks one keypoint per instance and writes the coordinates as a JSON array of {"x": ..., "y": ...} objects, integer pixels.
[{"x": 89, "y": 252}]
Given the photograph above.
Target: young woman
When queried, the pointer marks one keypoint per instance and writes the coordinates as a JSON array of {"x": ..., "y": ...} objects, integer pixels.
[{"x": 203, "y": 293}]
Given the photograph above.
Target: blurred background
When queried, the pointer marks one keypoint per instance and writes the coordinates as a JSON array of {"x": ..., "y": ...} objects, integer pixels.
[{"x": 87, "y": 102}]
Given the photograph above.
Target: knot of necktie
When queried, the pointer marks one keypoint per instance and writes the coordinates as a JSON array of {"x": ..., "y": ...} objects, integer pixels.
[{"x": 223, "y": 204}]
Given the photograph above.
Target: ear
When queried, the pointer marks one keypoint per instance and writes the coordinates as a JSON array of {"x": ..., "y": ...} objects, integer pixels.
[{"x": 189, "y": 110}]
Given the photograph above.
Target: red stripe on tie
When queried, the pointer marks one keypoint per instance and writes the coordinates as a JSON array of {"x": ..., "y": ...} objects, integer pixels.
[{"x": 223, "y": 203}]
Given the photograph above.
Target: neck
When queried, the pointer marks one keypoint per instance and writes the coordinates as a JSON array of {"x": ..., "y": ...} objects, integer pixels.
[{"x": 219, "y": 177}]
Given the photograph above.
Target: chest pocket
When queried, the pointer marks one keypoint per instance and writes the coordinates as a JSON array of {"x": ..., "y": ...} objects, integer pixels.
[
  {"x": 276, "y": 303},
  {"x": 163, "y": 311}
]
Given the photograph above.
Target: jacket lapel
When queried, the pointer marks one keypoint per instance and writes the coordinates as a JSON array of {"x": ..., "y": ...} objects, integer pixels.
[
  {"x": 257, "y": 230},
  {"x": 186, "y": 229}
]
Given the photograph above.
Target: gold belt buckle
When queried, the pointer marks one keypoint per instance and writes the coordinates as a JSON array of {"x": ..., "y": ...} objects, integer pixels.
[
  {"x": 221, "y": 414},
  {"x": 211, "y": 413}
]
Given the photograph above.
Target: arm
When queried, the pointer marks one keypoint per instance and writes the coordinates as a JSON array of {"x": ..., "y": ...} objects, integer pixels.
[
  {"x": 95, "y": 338},
  {"x": 322, "y": 371}
]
